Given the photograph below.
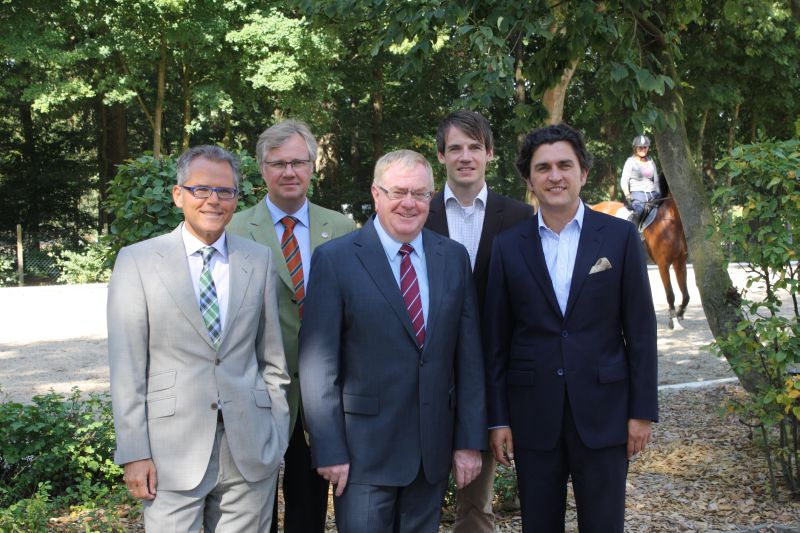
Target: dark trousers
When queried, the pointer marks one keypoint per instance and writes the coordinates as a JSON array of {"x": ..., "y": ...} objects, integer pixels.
[
  {"x": 305, "y": 493},
  {"x": 598, "y": 481},
  {"x": 415, "y": 508}
]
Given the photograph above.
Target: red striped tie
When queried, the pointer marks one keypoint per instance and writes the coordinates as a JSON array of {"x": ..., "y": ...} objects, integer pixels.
[
  {"x": 409, "y": 287},
  {"x": 291, "y": 252}
]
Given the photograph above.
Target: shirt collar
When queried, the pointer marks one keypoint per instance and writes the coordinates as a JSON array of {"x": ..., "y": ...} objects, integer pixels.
[
  {"x": 392, "y": 246},
  {"x": 577, "y": 219},
  {"x": 482, "y": 195},
  {"x": 193, "y": 245},
  {"x": 277, "y": 213}
]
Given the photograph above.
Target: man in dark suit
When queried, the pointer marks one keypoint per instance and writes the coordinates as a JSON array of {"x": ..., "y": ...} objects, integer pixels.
[
  {"x": 286, "y": 154},
  {"x": 390, "y": 361},
  {"x": 571, "y": 345},
  {"x": 468, "y": 212}
]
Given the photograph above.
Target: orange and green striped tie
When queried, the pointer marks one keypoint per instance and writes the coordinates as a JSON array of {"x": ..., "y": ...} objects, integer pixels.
[{"x": 291, "y": 252}]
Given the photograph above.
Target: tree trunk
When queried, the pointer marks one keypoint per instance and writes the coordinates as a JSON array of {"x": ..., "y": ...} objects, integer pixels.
[
  {"x": 112, "y": 151},
  {"x": 701, "y": 132},
  {"x": 553, "y": 99},
  {"x": 719, "y": 298},
  {"x": 160, "y": 92},
  {"x": 378, "y": 137},
  {"x": 186, "y": 96}
]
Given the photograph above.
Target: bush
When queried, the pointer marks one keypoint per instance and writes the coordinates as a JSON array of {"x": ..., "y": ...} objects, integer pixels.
[
  {"x": 64, "y": 441},
  {"x": 140, "y": 198},
  {"x": 87, "y": 266},
  {"x": 764, "y": 182},
  {"x": 8, "y": 271}
]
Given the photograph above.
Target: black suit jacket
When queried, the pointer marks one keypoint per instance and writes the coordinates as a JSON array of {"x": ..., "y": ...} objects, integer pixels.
[
  {"x": 502, "y": 213},
  {"x": 371, "y": 398}
]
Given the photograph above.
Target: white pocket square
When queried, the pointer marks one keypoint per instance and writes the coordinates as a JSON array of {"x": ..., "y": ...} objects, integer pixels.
[{"x": 602, "y": 264}]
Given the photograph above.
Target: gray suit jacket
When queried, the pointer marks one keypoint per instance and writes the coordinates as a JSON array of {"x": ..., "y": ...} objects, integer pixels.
[
  {"x": 370, "y": 396},
  {"x": 166, "y": 375},
  {"x": 256, "y": 223}
]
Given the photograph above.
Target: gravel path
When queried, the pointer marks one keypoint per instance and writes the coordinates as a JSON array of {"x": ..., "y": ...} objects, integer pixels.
[{"x": 54, "y": 337}]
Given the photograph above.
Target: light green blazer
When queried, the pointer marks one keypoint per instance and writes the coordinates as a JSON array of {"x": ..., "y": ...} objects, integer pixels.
[{"x": 256, "y": 223}]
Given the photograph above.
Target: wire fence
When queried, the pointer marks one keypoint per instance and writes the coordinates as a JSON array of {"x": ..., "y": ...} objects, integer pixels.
[{"x": 38, "y": 260}]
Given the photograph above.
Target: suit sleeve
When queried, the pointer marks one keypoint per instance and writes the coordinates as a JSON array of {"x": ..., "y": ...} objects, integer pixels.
[
  {"x": 320, "y": 364},
  {"x": 496, "y": 336},
  {"x": 470, "y": 430},
  {"x": 640, "y": 332},
  {"x": 271, "y": 358},
  {"x": 128, "y": 352}
]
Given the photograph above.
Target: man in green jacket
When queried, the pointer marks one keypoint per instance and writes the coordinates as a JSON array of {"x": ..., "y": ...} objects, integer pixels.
[{"x": 292, "y": 227}]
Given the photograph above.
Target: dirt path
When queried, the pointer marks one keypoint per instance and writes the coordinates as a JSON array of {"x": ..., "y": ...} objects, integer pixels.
[{"x": 55, "y": 337}]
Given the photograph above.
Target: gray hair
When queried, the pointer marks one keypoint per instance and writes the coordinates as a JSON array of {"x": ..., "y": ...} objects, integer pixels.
[
  {"x": 276, "y": 135},
  {"x": 212, "y": 153},
  {"x": 405, "y": 158}
]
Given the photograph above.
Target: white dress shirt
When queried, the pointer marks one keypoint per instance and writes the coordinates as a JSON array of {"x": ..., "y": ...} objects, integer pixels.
[
  {"x": 560, "y": 250},
  {"x": 219, "y": 269},
  {"x": 465, "y": 224}
]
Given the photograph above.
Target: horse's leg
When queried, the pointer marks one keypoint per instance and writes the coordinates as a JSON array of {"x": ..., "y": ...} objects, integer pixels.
[
  {"x": 663, "y": 271},
  {"x": 680, "y": 274}
]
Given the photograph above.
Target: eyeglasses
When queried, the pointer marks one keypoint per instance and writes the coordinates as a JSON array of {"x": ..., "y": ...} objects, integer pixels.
[
  {"x": 400, "y": 194},
  {"x": 203, "y": 192},
  {"x": 297, "y": 164}
]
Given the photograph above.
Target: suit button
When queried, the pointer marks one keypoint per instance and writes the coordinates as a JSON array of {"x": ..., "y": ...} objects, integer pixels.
[
  {"x": 296, "y": 375},
  {"x": 560, "y": 371},
  {"x": 564, "y": 334},
  {"x": 214, "y": 406},
  {"x": 216, "y": 361}
]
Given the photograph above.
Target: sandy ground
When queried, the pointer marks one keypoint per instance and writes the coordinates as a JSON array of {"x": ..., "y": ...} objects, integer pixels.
[{"x": 54, "y": 337}]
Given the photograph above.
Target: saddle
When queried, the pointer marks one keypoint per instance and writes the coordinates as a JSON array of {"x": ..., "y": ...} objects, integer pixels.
[{"x": 648, "y": 216}]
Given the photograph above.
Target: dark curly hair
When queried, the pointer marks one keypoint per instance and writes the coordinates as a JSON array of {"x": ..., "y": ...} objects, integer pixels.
[{"x": 550, "y": 135}]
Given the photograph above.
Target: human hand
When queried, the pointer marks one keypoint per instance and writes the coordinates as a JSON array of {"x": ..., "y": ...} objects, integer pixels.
[
  {"x": 337, "y": 475},
  {"x": 502, "y": 445},
  {"x": 639, "y": 434},
  {"x": 141, "y": 479},
  {"x": 466, "y": 466}
]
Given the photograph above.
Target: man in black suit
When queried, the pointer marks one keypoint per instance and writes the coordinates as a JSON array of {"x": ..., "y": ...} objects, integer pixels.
[
  {"x": 391, "y": 365},
  {"x": 571, "y": 353},
  {"x": 468, "y": 212}
]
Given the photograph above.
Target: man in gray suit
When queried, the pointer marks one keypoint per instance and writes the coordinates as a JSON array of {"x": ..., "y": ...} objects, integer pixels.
[
  {"x": 390, "y": 361},
  {"x": 286, "y": 153},
  {"x": 198, "y": 375}
]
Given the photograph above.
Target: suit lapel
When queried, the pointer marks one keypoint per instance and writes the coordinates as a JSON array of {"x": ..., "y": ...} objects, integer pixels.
[
  {"x": 437, "y": 216},
  {"x": 435, "y": 266},
  {"x": 240, "y": 272},
  {"x": 588, "y": 247},
  {"x": 262, "y": 230},
  {"x": 318, "y": 226},
  {"x": 533, "y": 254},
  {"x": 492, "y": 223},
  {"x": 370, "y": 252},
  {"x": 172, "y": 267}
]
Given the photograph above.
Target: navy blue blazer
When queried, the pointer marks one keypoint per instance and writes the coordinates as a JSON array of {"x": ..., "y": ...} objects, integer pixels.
[
  {"x": 371, "y": 397},
  {"x": 601, "y": 352}
]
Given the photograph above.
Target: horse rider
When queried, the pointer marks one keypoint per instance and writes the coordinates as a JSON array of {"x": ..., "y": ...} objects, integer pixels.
[{"x": 639, "y": 180}]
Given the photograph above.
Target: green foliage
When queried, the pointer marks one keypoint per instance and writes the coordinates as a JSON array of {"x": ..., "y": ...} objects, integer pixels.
[
  {"x": 87, "y": 266},
  {"x": 140, "y": 198},
  {"x": 8, "y": 271},
  {"x": 764, "y": 233},
  {"x": 63, "y": 440},
  {"x": 505, "y": 491},
  {"x": 28, "y": 514}
]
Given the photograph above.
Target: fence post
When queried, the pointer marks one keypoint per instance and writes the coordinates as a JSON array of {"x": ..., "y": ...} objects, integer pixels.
[{"x": 20, "y": 264}]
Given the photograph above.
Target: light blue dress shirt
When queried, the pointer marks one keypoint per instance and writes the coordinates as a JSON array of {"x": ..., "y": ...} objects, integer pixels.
[
  {"x": 560, "y": 250},
  {"x": 301, "y": 232},
  {"x": 392, "y": 249}
]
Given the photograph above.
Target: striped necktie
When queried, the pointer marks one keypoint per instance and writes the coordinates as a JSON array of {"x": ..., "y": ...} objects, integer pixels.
[
  {"x": 209, "y": 305},
  {"x": 409, "y": 287},
  {"x": 294, "y": 262}
]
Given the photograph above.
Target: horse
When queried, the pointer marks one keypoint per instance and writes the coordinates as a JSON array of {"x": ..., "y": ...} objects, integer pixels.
[{"x": 665, "y": 243}]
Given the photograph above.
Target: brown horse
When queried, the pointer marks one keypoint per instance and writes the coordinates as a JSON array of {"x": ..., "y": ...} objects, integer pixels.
[{"x": 666, "y": 245}]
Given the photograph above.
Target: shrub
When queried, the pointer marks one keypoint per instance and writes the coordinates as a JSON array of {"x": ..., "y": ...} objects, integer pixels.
[
  {"x": 87, "y": 266},
  {"x": 764, "y": 182},
  {"x": 140, "y": 198},
  {"x": 8, "y": 271}
]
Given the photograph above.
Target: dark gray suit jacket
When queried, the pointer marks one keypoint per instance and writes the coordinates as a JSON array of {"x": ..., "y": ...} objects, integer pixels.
[
  {"x": 502, "y": 213},
  {"x": 370, "y": 396}
]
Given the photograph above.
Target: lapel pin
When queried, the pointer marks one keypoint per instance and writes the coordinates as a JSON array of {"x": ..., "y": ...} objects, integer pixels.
[{"x": 325, "y": 235}]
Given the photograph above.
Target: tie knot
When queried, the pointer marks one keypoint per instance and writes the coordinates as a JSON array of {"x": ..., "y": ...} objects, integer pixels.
[
  {"x": 289, "y": 222},
  {"x": 207, "y": 252},
  {"x": 406, "y": 249}
]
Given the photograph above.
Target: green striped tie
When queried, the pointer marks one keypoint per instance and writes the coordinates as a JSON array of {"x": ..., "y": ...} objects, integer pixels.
[{"x": 209, "y": 306}]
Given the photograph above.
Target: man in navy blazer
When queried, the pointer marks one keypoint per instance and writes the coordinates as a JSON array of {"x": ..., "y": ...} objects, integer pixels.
[
  {"x": 571, "y": 345},
  {"x": 393, "y": 380}
]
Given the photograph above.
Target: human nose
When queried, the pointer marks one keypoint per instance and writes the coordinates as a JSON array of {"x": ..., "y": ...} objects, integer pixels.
[{"x": 408, "y": 199}]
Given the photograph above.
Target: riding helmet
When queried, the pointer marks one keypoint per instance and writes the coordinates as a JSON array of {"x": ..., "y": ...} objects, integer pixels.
[{"x": 641, "y": 140}]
